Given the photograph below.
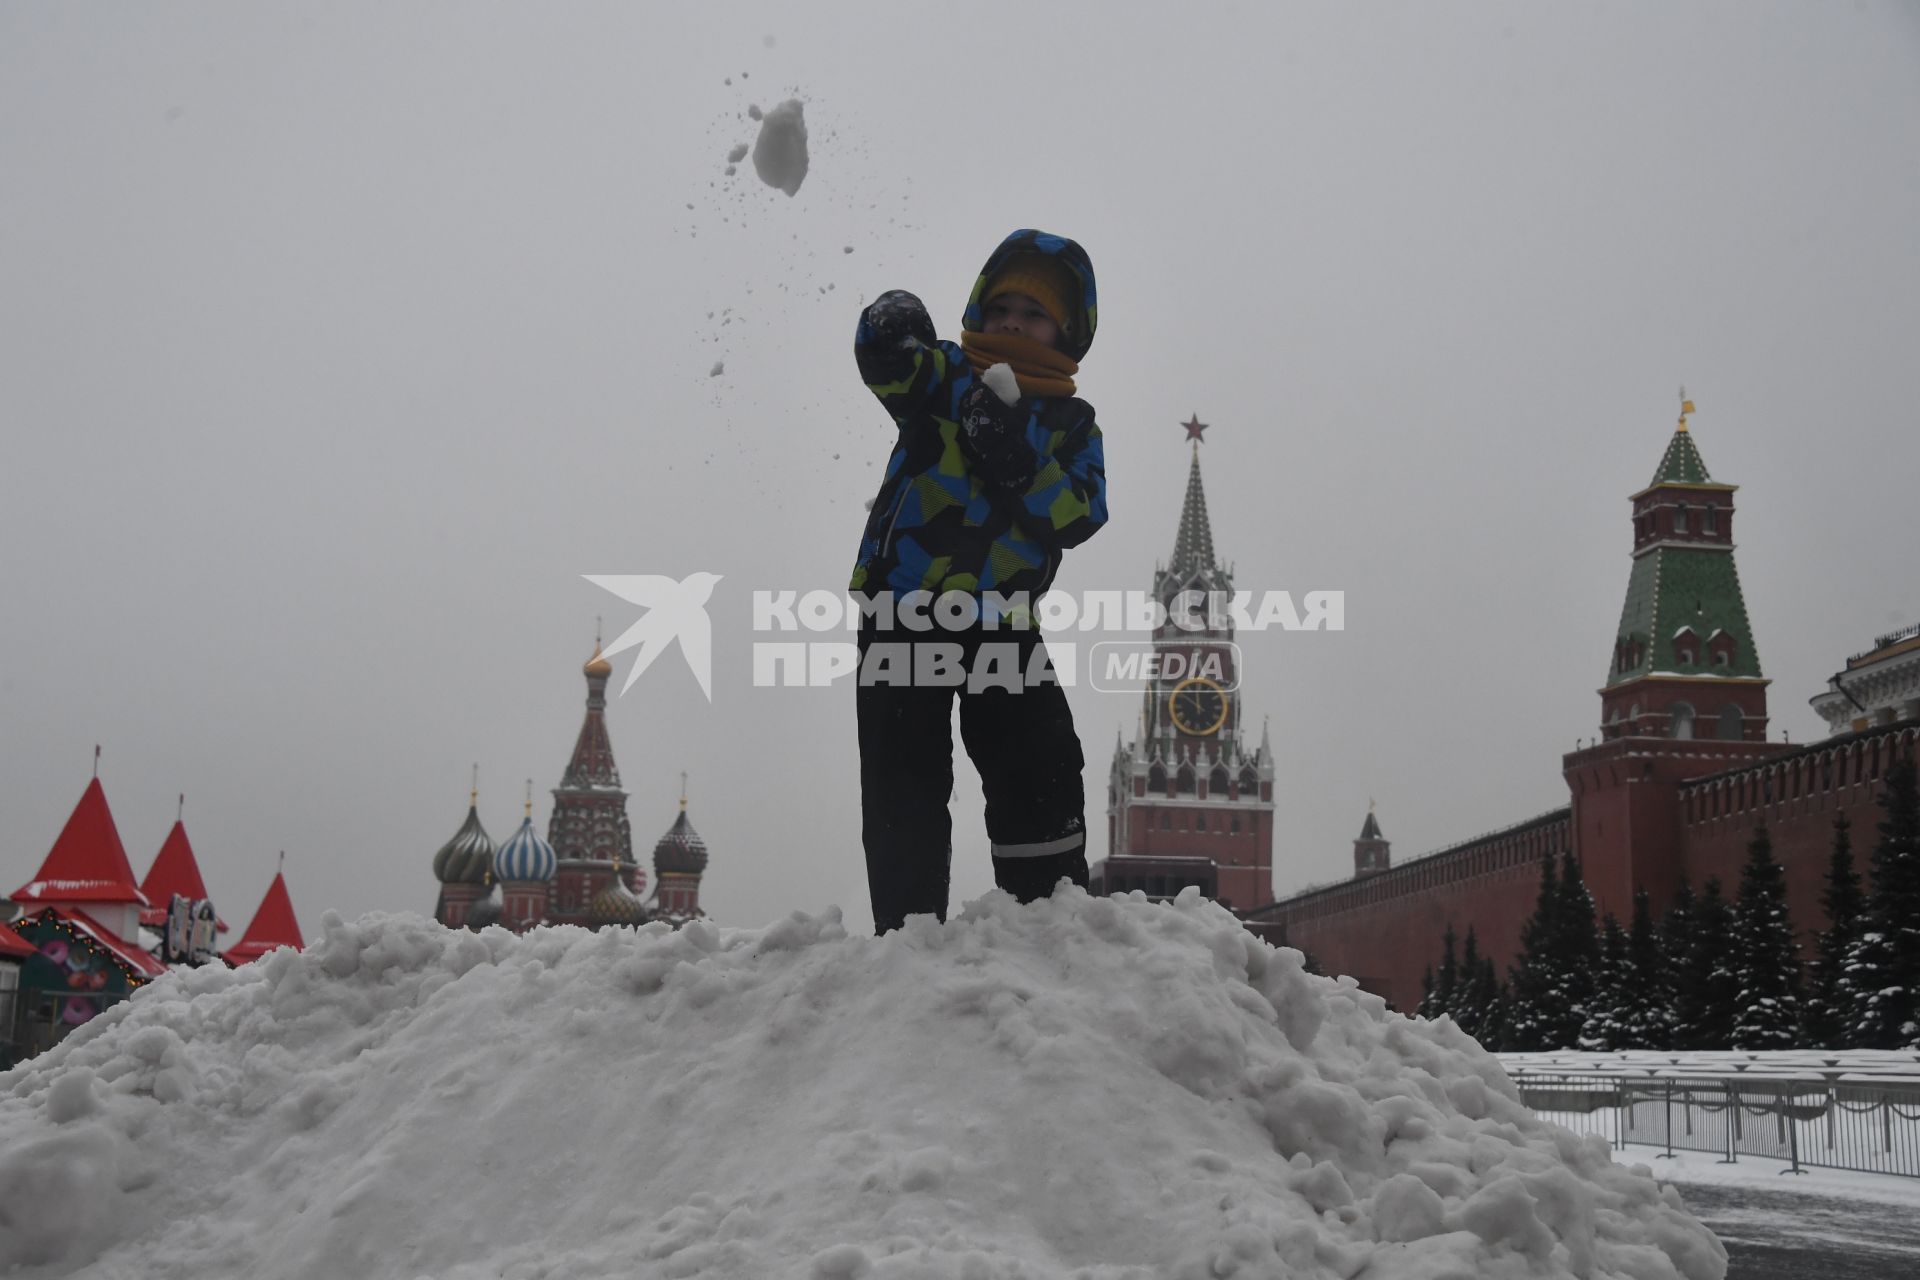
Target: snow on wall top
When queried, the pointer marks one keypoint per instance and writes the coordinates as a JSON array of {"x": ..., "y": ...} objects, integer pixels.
[{"x": 1101, "y": 1087}]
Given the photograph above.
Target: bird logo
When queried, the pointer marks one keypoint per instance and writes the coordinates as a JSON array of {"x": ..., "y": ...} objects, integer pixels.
[{"x": 674, "y": 611}]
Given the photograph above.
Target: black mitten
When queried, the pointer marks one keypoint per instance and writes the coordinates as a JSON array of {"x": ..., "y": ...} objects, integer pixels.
[
  {"x": 992, "y": 437},
  {"x": 894, "y": 318}
]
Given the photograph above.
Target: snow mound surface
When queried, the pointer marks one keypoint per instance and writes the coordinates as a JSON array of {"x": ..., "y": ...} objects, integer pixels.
[
  {"x": 780, "y": 151},
  {"x": 1089, "y": 1087}
]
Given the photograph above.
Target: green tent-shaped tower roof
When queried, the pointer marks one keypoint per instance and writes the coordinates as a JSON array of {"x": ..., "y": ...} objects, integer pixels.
[
  {"x": 1684, "y": 616},
  {"x": 1681, "y": 463}
]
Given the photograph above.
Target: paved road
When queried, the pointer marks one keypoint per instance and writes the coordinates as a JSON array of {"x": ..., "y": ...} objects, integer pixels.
[{"x": 1780, "y": 1235}]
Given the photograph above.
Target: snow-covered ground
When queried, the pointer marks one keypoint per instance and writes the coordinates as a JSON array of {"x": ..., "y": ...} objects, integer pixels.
[
  {"x": 1710, "y": 1168},
  {"x": 1087, "y": 1087}
]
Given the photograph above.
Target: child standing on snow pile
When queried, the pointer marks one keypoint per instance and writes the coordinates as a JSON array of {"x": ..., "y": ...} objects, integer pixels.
[{"x": 987, "y": 486}]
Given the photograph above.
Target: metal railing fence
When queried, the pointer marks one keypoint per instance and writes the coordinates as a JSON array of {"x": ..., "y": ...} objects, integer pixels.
[{"x": 1867, "y": 1126}]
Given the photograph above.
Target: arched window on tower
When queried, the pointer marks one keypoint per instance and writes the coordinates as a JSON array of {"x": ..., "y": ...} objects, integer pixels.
[
  {"x": 1157, "y": 778},
  {"x": 1682, "y": 713},
  {"x": 1184, "y": 781},
  {"x": 1249, "y": 782},
  {"x": 1710, "y": 519},
  {"x": 1680, "y": 518},
  {"x": 1731, "y": 727},
  {"x": 1218, "y": 783}
]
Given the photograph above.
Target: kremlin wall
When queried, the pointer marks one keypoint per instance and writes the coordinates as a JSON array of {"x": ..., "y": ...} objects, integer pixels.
[{"x": 1680, "y": 773}]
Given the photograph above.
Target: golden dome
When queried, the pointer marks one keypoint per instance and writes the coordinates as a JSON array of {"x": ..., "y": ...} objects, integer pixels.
[{"x": 597, "y": 665}]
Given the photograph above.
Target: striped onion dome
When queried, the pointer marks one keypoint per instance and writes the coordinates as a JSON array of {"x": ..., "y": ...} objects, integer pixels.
[
  {"x": 525, "y": 857},
  {"x": 616, "y": 904},
  {"x": 467, "y": 857},
  {"x": 681, "y": 849},
  {"x": 485, "y": 910}
]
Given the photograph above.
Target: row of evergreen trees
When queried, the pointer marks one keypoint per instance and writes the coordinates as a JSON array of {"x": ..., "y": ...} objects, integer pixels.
[{"x": 1712, "y": 973}]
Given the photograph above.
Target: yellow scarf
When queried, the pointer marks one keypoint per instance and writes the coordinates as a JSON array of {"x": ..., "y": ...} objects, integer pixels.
[{"x": 1040, "y": 370}]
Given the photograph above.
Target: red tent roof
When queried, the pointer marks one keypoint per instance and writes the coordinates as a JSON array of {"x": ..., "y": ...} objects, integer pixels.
[
  {"x": 13, "y": 946},
  {"x": 87, "y": 863},
  {"x": 174, "y": 870},
  {"x": 273, "y": 926}
]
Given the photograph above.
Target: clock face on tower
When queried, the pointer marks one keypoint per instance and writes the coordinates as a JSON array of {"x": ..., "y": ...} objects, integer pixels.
[{"x": 1197, "y": 706}]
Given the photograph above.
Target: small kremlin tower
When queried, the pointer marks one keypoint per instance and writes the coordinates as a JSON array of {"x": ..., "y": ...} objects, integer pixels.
[{"x": 1372, "y": 852}]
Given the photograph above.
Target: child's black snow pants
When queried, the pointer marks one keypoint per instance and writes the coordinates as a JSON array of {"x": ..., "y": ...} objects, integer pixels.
[{"x": 1021, "y": 740}]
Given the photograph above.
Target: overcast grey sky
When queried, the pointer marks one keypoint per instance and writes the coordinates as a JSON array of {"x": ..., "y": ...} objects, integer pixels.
[{"x": 337, "y": 343}]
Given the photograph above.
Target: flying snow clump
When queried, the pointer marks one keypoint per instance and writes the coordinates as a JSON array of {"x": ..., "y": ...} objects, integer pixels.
[{"x": 780, "y": 152}]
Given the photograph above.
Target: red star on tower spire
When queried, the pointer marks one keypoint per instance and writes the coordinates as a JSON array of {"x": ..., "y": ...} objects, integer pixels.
[{"x": 1194, "y": 427}]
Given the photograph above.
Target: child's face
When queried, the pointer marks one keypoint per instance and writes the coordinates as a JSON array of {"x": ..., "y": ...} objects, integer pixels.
[{"x": 1023, "y": 317}]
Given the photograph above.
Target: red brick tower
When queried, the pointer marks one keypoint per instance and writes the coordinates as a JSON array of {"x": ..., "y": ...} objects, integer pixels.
[
  {"x": 591, "y": 838},
  {"x": 1684, "y": 695},
  {"x": 1187, "y": 802}
]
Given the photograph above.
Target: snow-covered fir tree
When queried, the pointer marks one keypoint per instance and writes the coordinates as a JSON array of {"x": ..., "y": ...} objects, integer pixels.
[
  {"x": 1884, "y": 965},
  {"x": 1494, "y": 1008},
  {"x": 1705, "y": 986},
  {"x": 1470, "y": 991},
  {"x": 1607, "y": 1011},
  {"x": 1648, "y": 999},
  {"x": 1579, "y": 948},
  {"x": 1766, "y": 957},
  {"x": 1534, "y": 977},
  {"x": 1826, "y": 1020},
  {"x": 1446, "y": 979},
  {"x": 1553, "y": 979}
]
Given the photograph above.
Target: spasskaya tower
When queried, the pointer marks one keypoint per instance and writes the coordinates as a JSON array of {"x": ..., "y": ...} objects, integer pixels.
[{"x": 1188, "y": 802}]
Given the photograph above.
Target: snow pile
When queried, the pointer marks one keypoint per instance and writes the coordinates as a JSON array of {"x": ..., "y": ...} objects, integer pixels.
[
  {"x": 780, "y": 151},
  {"x": 1093, "y": 1087}
]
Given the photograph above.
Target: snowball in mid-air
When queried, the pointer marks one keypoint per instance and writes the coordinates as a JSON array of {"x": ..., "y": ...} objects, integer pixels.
[
  {"x": 738, "y": 154},
  {"x": 719, "y": 367},
  {"x": 1000, "y": 380},
  {"x": 780, "y": 152}
]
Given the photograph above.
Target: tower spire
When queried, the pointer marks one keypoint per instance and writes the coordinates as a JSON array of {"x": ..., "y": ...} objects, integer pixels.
[{"x": 1193, "y": 541}]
